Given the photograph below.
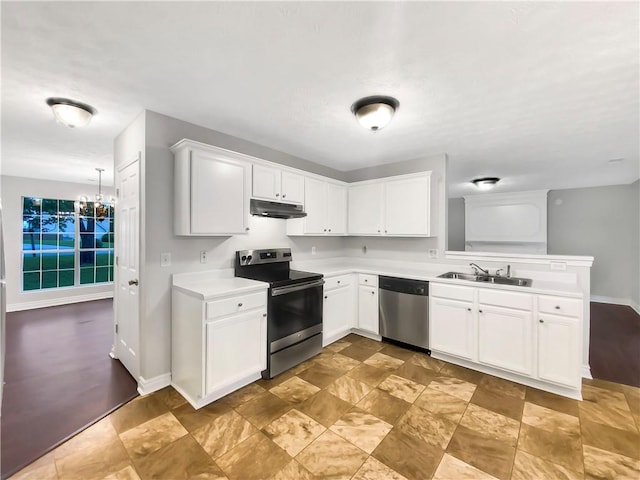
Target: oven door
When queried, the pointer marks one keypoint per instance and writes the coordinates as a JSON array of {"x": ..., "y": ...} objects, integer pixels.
[{"x": 295, "y": 314}]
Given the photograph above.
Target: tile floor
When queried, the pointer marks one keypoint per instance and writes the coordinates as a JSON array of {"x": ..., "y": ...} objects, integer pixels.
[{"x": 363, "y": 410}]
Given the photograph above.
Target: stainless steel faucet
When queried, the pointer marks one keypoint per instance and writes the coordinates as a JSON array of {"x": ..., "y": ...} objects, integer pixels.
[
  {"x": 499, "y": 272},
  {"x": 477, "y": 269}
]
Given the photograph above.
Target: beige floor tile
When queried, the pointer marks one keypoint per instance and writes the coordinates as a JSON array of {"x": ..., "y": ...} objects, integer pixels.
[
  {"x": 402, "y": 388},
  {"x": 243, "y": 395},
  {"x": 550, "y": 420},
  {"x": 93, "y": 463},
  {"x": 338, "y": 345},
  {"x": 529, "y": 467},
  {"x": 369, "y": 343},
  {"x": 138, "y": 411},
  {"x": 263, "y": 409},
  {"x": 152, "y": 435},
  {"x": 127, "y": 473},
  {"x": 293, "y": 431},
  {"x": 614, "y": 440},
  {"x": 415, "y": 373},
  {"x": 454, "y": 386},
  {"x": 425, "y": 361},
  {"x": 482, "y": 451},
  {"x": 462, "y": 373},
  {"x": 223, "y": 434},
  {"x": 181, "y": 460},
  {"x": 349, "y": 389},
  {"x": 293, "y": 471},
  {"x": 492, "y": 424},
  {"x": 268, "y": 383},
  {"x": 384, "y": 362},
  {"x": 345, "y": 458},
  {"x": 552, "y": 401},
  {"x": 358, "y": 352},
  {"x": 362, "y": 429},
  {"x": 295, "y": 390},
  {"x": 170, "y": 397},
  {"x": 451, "y": 468},
  {"x": 442, "y": 404},
  {"x": 507, "y": 405},
  {"x": 408, "y": 455},
  {"x": 502, "y": 386},
  {"x": 606, "y": 407},
  {"x": 370, "y": 375},
  {"x": 193, "y": 419},
  {"x": 100, "y": 433},
  {"x": 373, "y": 469},
  {"x": 426, "y": 426},
  {"x": 556, "y": 447},
  {"x": 600, "y": 464},
  {"x": 254, "y": 459},
  {"x": 384, "y": 406},
  {"x": 324, "y": 407},
  {"x": 320, "y": 375},
  {"x": 396, "y": 352},
  {"x": 43, "y": 468},
  {"x": 339, "y": 362}
]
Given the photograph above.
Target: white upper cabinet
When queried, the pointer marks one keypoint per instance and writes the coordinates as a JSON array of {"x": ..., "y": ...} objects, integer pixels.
[
  {"x": 271, "y": 183},
  {"x": 326, "y": 206},
  {"x": 211, "y": 191},
  {"x": 397, "y": 206}
]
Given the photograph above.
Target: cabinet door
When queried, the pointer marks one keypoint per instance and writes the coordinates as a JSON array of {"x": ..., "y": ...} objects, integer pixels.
[
  {"x": 407, "y": 207},
  {"x": 365, "y": 209},
  {"x": 336, "y": 209},
  {"x": 236, "y": 347},
  {"x": 451, "y": 327},
  {"x": 266, "y": 182},
  {"x": 368, "y": 309},
  {"x": 558, "y": 354},
  {"x": 505, "y": 338},
  {"x": 336, "y": 314},
  {"x": 292, "y": 187},
  {"x": 316, "y": 207},
  {"x": 219, "y": 200}
]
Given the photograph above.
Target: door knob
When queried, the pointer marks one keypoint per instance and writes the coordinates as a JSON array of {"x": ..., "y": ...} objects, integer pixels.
[
  {"x": 541, "y": 321},
  {"x": 133, "y": 282}
]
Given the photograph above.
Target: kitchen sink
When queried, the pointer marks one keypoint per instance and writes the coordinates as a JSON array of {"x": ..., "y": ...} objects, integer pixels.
[{"x": 518, "y": 282}]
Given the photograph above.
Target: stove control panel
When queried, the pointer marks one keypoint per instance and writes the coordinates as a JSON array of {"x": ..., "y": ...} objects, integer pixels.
[{"x": 257, "y": 257}]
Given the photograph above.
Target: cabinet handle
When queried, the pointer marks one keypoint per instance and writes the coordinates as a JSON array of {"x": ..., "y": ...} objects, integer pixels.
[
  {"x": 324, "y": 230},
  {"x": 247, "y": 229},
  {"x": 133, "y": 282},
  {"x": 277, "y": 194},
  {"x": 329, "y": 229},
  {"x": 366, "y": 280},
  {"x": 378, "y": 231},
  {"x": 264, "y": 314},
  {"x": 338, "y": 281},
  {"x": 468, "y": 309},
  {"x": 240, "y": 304},
  {"x": 373, "y": 293},
  {"x": 385, "y": 231},
  {"x": 325, "y": 297},
  {"x": 541, "y": 321},
  {"x": 284, "y": 195},
  {"x": 557, "y": 307},
  {"x": 480, "y": 311}
]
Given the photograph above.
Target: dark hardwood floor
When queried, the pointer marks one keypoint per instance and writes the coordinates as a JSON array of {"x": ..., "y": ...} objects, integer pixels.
[
  {"x": 614, "y": 350},
  {"x": 59, "y": 378}
]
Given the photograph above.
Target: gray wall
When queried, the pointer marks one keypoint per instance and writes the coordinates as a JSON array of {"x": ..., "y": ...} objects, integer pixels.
[{"x": 600, "y": 221}]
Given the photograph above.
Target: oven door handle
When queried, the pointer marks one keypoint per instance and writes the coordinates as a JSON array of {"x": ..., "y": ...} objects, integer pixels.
[{"x": 294, "y": 288}]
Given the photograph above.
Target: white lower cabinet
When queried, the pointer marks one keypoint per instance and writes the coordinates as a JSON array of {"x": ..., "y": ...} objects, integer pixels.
[
  {"x": 338, "y": 308},
  {"x": 368, "y": 312},
  {"x": 218, "y": 344},
  {"x": 558, "y": 352},
  {"x": 452, "y": 328}
]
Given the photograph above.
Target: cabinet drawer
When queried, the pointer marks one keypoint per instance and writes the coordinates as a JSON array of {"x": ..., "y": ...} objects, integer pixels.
[
  {"x": 451, "y": 291},
  {"x": 240, "y": 303},
  {"x": 501, "y": 298},
  {"x": 560, "y": 305},
  {"x": 370, "y": 280},
  {"x": 331, "y": 283}
]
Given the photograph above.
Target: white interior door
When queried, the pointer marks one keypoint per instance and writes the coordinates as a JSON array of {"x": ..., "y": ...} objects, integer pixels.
[{"x": 127, "y": 268}]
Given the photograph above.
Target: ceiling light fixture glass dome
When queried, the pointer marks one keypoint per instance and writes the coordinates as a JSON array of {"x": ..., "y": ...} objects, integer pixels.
[
  {"x": 71, "y": 113},
  {"x": 375, "y": 112}
]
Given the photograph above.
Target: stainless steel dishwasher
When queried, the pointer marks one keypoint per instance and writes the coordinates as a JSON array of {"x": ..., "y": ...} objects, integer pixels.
[{"x": 404, "y": 311}]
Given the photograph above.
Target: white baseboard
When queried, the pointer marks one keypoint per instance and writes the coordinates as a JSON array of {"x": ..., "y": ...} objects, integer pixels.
[
  {"x": 586, "y": 372},
  {"x": 53, "y": 302},
  {"x": 617, "y": 301},
  {"x": 147, "y": 386}
]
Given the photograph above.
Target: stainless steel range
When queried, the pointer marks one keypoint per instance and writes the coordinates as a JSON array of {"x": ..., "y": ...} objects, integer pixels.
[{"x": 294, "y": 318}]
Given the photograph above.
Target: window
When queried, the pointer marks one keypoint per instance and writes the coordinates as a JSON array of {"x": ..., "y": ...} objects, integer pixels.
[{"x": 65, "y": 243}]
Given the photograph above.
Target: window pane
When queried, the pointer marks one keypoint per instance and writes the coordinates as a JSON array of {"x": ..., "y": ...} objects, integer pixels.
[
  {"x": 87, "y": 275},
  {"x": 31, "y": 223},
  {"x": 67, "y": 260},
  {"x": 49, "y": 241},
  {"x": 67, "y": 223},
  {"x": 50, "y": 279},
  {"x": 111, "y": 273},
  {"x": 87, "y": 259},
  {"x": 31, "y": 281},
  {"x": 31, "y": 241},
  {"x": 102, "y": 258},
  {"x": 102, "y": 274},
  {"x": 66, "y": 241},
  {"x": 106, "y": 240},
  {"x": 31, "y": 206},
  {"x": 30, "y": 262},
  {"x": 65, "y": 278},
  {"x": 49, "y": 223},
  {"x": 87, "y": 240},
  {"x": 49, "y": 206},
  {"x": 66, "y": 207},
  {"x": 49, "y": 261},
  {"x": 111, "y": 257}
]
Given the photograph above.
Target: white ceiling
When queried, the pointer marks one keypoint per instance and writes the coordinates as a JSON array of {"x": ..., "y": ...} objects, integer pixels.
[{"x": 540, "y": 94}]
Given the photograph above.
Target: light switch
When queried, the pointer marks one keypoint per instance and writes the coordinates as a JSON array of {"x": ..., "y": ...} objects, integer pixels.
[{"x": 165, "y": 259}]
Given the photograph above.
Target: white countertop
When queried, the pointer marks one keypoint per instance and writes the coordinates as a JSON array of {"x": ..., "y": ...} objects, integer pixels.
[{"x": 215, "y": 283}]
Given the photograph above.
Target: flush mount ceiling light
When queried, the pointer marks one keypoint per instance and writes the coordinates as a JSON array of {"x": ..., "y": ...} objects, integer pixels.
[
  {"x": 374, "y": 113},
  {"x": 485, "y": 183},
  {"x": 71, "y": 113}
]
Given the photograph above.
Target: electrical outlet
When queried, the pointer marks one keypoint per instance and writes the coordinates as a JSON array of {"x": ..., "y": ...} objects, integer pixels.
[
  {"x": 165, "y": 259},
  {"x": 203, "y": 256},
  {"x": 313, "y": 250},
  {"x": 433, "y": 253},
  {"x": 364, "y": 249}
]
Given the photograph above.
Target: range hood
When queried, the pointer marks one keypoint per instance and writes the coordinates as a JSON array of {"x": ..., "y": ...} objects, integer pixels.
[{"x": 264, "y": 208}]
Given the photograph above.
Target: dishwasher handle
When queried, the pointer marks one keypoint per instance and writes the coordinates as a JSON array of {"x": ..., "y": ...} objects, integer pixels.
[{"x": 404, "y": 285}]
